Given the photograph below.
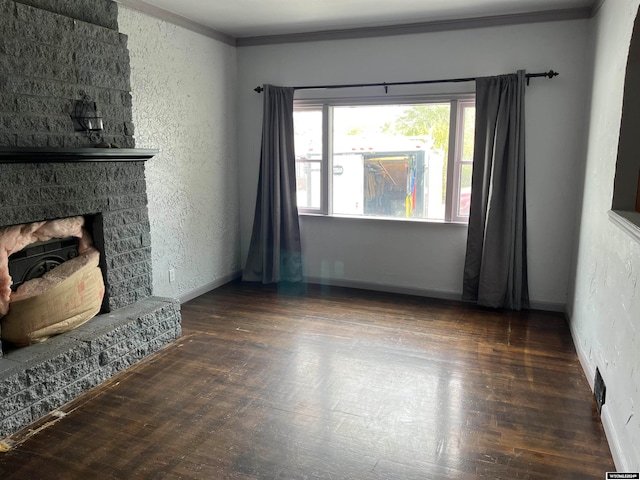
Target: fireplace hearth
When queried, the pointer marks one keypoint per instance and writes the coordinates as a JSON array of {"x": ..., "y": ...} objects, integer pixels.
[{"x": 109, "y": 188}]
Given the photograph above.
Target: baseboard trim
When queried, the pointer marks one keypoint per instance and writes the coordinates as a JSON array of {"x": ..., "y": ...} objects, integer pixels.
[
  {"x": 548, "y": 306},
  {"x": 587, "y": 368},
  {"x": 614, "y": 440},
  {"x": 209, "y": 286},
  {"x": 419, "y": 292},
  {"x": 378, "y": 287}
]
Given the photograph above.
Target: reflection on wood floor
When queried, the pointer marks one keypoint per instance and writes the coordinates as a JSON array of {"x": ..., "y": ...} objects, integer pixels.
[{"x": 325, "y": 383}]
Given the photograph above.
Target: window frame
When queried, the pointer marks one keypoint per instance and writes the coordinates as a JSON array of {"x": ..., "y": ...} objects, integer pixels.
[
  {"x": 457, "y": 102},
  {"x": 324, "y": 187},
  {"x": 453, "y": 215}
]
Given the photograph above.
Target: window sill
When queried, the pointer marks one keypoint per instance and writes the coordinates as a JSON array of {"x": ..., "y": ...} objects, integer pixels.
[
  {"x": 628, "y": 221},
  {"x": 360, "y": 218}
]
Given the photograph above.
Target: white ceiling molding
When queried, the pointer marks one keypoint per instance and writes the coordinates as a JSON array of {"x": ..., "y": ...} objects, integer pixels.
[
  {"x": 424, "y": 27},
  {"x": 365, "y": 32},
  {"x": 596, "y": 7},
  {"x": 162, "y": 14}
]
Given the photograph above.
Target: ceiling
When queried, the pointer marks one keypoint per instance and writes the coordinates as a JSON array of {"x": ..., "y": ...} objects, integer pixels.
[{"x": 255, "y": 18}]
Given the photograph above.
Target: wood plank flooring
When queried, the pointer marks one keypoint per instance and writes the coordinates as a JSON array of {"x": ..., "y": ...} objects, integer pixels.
[{"x": 314, "y": 382}]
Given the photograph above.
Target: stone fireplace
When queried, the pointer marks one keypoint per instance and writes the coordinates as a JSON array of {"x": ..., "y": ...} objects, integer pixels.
[
  {"x": 111, "y": 191},
  {"x": 51, "y": 54}
]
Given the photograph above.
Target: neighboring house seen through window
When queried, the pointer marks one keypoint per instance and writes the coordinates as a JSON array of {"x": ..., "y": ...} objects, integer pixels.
[{"x": 402, "y": 160}]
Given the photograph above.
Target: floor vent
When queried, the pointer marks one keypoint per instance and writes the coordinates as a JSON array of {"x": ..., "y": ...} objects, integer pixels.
[{"x": 599, "y": 390}]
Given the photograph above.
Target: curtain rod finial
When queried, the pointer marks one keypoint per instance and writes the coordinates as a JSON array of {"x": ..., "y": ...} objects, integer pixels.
[
  {"x": 552, "y": 74},
  {"x": 258, "y": 89}
]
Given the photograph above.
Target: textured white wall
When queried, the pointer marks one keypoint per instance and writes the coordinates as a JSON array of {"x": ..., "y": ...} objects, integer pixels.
[
  {"x": 183, "y": 87},
  {"x": 605, "y": 307},
  {"x": 422, "y": 256}
]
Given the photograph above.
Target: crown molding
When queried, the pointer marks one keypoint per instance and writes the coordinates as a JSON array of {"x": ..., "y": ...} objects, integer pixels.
[
  {"x": 422, "y": 27},
  {"x": 597, "y": 5},
  {"x": 162, "y": 14},
  {"x": 367, "y": 32}
]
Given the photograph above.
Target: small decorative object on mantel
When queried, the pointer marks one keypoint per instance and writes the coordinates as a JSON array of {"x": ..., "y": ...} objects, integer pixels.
[
  {"x": 106, "y": 145},
  {"x": 87, "y": 118}
]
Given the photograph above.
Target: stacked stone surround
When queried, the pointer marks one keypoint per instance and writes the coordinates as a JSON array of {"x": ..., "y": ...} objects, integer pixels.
[
  {"x": 51, "y": 51},
  {"x": 115, "y": 191},
  {"x": 37, "y": 380}
]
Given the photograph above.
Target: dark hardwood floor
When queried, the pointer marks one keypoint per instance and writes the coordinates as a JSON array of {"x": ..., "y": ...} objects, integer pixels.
[{"x": 318, "y": 383}]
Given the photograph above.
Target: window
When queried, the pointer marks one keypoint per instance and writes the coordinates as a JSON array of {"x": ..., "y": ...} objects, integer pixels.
[{"x": 401, "y": 159}]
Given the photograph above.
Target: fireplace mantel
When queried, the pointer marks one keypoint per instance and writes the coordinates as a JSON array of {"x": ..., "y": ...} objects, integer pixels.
[{"x": 70, "y": 155}]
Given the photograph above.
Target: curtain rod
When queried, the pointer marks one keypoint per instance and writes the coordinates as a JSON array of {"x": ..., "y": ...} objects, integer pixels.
[{"x": 549, "y": 74}]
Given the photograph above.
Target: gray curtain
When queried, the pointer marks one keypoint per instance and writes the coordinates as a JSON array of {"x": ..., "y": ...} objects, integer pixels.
[
  {"x": 274, "y": 251},
  {"x": 495, "y": 270}
]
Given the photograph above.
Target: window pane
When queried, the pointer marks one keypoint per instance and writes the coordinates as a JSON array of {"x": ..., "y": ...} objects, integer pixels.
[
  {"x": 390, "y": 160},
  {"x": 465, "y": 190},
  {"x": 468, "y": 133},
  {"x": 466, "y": 169},
  {"x": 308, "y": 150},
  {"x": 308, "y": 183}
]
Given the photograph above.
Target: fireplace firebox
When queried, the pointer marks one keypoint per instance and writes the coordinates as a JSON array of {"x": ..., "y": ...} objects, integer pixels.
[{"x": 39, "y": 258}]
